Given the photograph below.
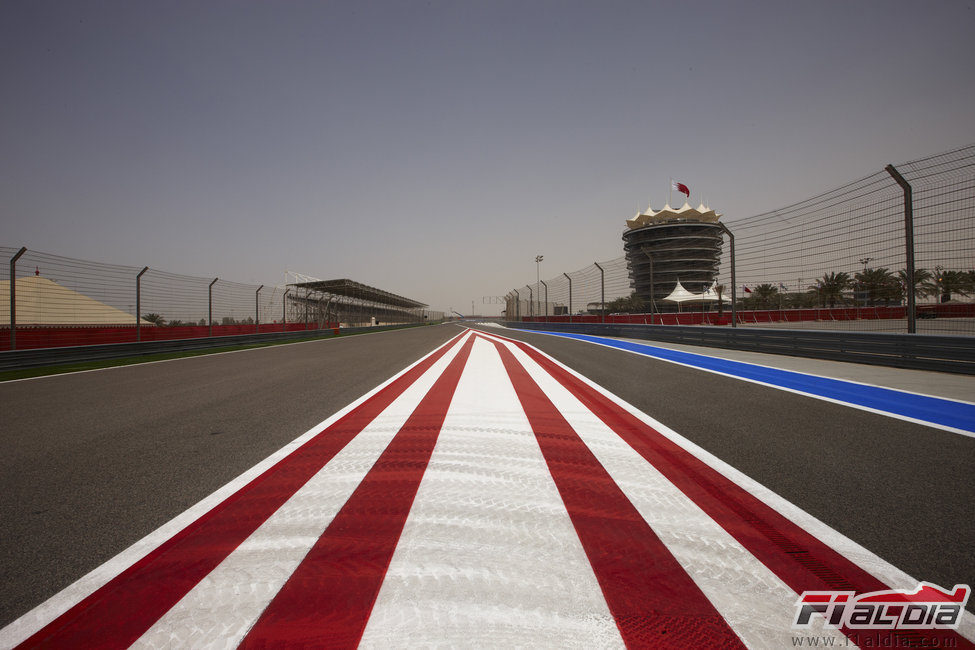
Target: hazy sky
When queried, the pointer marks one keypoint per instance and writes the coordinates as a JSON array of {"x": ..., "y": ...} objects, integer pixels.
[{"x": 434, "y": 148}]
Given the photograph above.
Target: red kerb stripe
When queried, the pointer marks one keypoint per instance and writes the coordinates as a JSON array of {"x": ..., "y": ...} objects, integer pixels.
[
  {"x": 118, "y": 613},
  {"x": 328, "y": 599},
  {"x": 800, "y": 560},
  {"x": 652, "y": 598}
]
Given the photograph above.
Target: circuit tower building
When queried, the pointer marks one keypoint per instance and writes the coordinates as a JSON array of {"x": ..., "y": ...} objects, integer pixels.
[{"x": 670, "y": 245}]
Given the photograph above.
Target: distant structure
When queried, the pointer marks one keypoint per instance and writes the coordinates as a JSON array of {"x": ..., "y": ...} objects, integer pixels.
[
  {"x": 349, "y": 303},
  {"x": 42, "y": 302},
  {"x": 670, "y": 246}
]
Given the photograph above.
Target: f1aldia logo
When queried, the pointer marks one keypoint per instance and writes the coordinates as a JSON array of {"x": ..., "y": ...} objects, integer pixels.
[{"x": 926, "y": 608}]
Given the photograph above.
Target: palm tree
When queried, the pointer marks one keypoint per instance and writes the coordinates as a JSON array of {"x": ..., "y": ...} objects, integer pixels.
[
  {"x": 922, "y": 281},
  {"x": 831, "y": 287},
  {"x": 765, "y": 295},
  {"x": 155, "y": 319},
  {"x": 631, "y": 304},
  {"x": 879, "y": 284},
  {"x": 719, "y": 289},
  {"x": 949, "y": 282}
]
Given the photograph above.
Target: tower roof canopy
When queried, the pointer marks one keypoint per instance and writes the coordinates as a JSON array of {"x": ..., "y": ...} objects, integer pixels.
[{"x": 684, "y": 213}]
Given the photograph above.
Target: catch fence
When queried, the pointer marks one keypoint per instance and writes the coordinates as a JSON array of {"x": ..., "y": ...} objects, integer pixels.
[
  {"x": 837, "y": 260},
  {"x": 60, "y": 301}
]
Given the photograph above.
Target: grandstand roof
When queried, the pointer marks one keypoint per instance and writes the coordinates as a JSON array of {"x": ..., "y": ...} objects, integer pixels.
[{"x": 351, "y": 289}]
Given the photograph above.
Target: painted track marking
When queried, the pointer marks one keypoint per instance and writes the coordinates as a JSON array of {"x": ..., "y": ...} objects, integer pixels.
[
  {"x": 956, "y": 416},
  {"x": 601, "y": 499}
]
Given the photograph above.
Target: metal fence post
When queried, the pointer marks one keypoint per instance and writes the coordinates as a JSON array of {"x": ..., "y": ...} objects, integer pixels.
[
  {"x": 210, "y": 304},
  {"x": 602, "y": 292},
  {"x": 13, "y": 297},
  {"x": 517, "y": 304},
  {"x": 138, "y": 304},
  {"x": 538, "y": 262},
  {"x": 531, "y": 303},
  {"x": 545, "y": 313},
  {"x": 646, "y": 252},
  {"x": 570, "y": 295},
  {"x": 284, "y": 310},
  {"x": 908, "y": 245},
  {"x": 257, "y": 310},
  {"x": 734, "y": 286}
]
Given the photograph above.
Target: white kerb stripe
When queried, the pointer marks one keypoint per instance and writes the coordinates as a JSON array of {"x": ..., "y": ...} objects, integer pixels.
[
  {"x": 25, "y": 626},
  {"x": 223, "y": 606},
  {"x": 856, "y": 553},
  {"x": 757, "y": 605},
  {"x": 489, "y": 556}
]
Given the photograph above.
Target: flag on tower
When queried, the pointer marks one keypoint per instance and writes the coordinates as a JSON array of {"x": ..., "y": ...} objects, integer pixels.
[{"x": 680, "y": 187}]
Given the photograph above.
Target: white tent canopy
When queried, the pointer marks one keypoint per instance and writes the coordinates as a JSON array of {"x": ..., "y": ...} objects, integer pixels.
[
  {"x": 711, "y": 294},
  {"x": 680, "y": 294}
]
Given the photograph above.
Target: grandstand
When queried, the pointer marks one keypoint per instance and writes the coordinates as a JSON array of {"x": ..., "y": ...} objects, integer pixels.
[{"x": 349, "y": 303}]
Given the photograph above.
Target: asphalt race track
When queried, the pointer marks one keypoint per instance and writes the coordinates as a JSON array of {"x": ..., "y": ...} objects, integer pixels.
[
  {"x": 900, "y": 489},
  {"x": 94, "y": 462}
]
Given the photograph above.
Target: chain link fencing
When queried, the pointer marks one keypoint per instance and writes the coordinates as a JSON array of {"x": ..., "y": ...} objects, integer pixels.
[
  {"x": 60, "y": 301},
  {"x": 837, "y": 260}
]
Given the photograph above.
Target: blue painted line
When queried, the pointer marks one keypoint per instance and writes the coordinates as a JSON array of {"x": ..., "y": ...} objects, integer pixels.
[{"x": 957, "y": 415}]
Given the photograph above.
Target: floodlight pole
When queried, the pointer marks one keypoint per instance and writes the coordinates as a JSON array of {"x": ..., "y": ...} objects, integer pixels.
[
  {"x": 257, "y": 310},
  {"x": 602, "y": 292},
  {"x": 734, "y": 285},
  {"x": 570, "y": 295},
  {"x": 538, "y": 261},
  {"x": 138, "y": 304},
  {"x": 652, "y": 301},
  {"x": 908, "y": 245},
  {"x": 210, "y": 301},
  {"x": 13, "y": 297},
  {"x": 545, "y": 313}
]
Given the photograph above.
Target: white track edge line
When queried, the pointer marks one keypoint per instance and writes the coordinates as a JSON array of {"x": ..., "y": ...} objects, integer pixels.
[
  {"x": 650, "y": 343},
  {"x": 906, "y": 418},
  {"x": 29, "y": 623},
  {"x": 878, "y": 567},
  {"x": 210, "y": 354}
]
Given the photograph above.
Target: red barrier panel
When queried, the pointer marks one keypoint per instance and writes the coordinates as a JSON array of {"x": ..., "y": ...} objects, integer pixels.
[
  {"x": 772, "y": 315},
  {"x": 56, "y": 337}
]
